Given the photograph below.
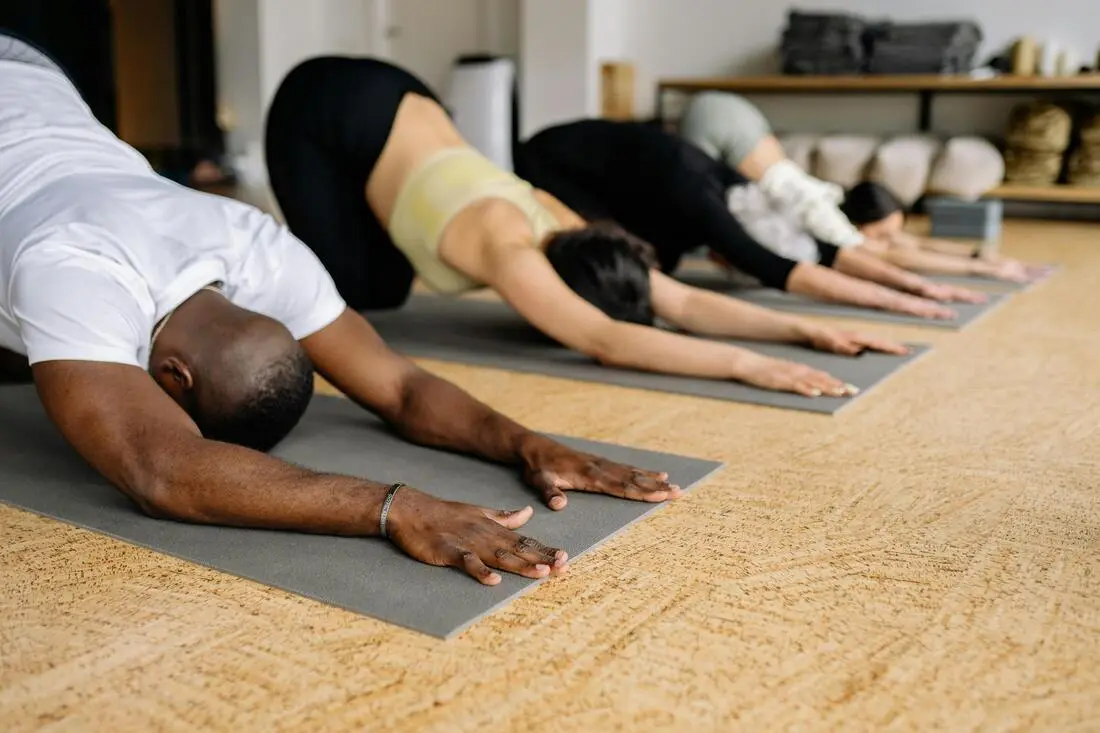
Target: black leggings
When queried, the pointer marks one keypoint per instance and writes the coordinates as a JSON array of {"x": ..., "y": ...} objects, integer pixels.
[
  {"x": 326, "y": 129},
  {"x": 656, "y": 185}
]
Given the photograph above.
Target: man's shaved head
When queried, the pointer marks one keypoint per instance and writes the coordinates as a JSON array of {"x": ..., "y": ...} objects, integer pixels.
[{"x": 242, "y": 377}]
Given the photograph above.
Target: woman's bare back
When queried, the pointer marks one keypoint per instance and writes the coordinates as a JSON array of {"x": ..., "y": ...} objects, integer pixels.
[{"x": 420, "y": 130}]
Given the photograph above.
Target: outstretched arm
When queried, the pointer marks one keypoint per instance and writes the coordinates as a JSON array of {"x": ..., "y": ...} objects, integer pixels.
[
  {"x": 827, "y": 284},
  {"x": 527, "y": 281},
  {"x": 713, "y": 314},
  {"x": 432, "y": 411},
  {"x": 866, "y": 265},
  {"x": 140, "y": 440},
  {"x": 934, "y": 256}
]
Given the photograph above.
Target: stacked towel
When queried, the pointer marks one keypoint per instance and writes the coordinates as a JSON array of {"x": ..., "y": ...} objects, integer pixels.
[
  {"x": 823, "y": 43},
  {"x": 1038, "y": 136},
  {"x": 1084, "y": 163},
  {"x": 923, "y": 48}
]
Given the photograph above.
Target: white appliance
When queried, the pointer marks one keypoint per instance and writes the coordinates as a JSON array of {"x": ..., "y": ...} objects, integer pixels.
[{"x": 481, "y": 98}]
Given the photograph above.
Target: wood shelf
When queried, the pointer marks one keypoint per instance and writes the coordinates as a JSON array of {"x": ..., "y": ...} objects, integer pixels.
[
  {"x": 886, "y": 83},
  {"x": 1058, "y": 193}
]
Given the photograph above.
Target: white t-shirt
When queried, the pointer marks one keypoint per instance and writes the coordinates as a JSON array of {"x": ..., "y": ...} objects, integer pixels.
[{"x": 95, "y": 247}]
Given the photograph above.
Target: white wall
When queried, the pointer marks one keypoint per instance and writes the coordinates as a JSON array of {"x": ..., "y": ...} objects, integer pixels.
[
  {"x": 500, "y": 27},
  {"x": 562, "y": 44},
  {"x": 237, "y": 39},
  {"x": 556, "y": 77},
  {"x": 259, "y": 41},
  {"x": 723, "y": 37}
]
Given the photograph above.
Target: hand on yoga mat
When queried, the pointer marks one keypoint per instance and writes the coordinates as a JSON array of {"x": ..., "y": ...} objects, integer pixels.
[
  {"x": 473, "y": 539},
  {"x": 851, "y": 343},
  {"x": 949, "y": 293},
  {"x": 920, "y": 307},
  {"x": 788, "y": 376},
  {"x": 1010, "y": 270},
  {"x": 553, "y": 469}
]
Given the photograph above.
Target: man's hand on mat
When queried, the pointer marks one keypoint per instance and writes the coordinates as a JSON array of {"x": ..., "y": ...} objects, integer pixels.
[
  {"x": 851, "y": 343},
  {"x": 473, "y": 539},
  {"x": 949, "y": 293},
  {"x": 552, "y": 469},
  {"x": 787, "y": 376}
]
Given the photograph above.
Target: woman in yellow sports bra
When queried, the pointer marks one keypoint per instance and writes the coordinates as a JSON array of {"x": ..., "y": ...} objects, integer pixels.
[{"x": 372, "y": 175}]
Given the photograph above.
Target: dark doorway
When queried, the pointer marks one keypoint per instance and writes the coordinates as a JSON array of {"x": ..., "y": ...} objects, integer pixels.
[
  {"x": 78, "y": 34},
  {"x": 145, "y": 67}
]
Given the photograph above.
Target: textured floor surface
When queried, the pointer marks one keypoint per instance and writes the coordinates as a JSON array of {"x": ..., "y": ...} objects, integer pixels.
[{"x": 929, "y": 560}]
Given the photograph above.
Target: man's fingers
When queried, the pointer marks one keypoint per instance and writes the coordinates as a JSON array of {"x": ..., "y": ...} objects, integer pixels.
[
  {"x": 624, "y": 482},
  {"x": 649, "y": 481},
  {"x": 553, "y": 496},
  {"x": 505, "y": 559},
  {"x": 509, "y": 518},
  {"x": 533, "y": 551},
  {"x": 475, "y": 568}
]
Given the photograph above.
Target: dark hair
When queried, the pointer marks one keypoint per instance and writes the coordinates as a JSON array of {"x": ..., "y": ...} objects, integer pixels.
[
  {"x": 608, "y": 267},
  {"x": 869, "y": 202},
  {"x": 273, "y": 404}
]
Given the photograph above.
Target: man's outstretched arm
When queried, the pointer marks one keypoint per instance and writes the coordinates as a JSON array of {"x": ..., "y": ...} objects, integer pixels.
[
  {"x": 432, "y": 411},
  {"x": 129, "y": 430}
]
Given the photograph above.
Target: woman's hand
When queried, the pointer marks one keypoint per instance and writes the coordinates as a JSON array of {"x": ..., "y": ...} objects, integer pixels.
[
  {"x": 851, "y": 343},
  {"x": 787, "y": 376},
  {"x": 948, "y": 293},
  {"x": 470, "y": 538},
  {"x": 911, "y": 305},
  {"x": 1011, "y": 270}
]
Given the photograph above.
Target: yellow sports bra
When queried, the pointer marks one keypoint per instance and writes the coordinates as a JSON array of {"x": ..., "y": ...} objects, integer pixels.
[{"x": 439, "y": 190}]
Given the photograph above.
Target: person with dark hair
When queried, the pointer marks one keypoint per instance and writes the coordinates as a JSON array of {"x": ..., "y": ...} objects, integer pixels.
[
  {"x": 880, "y": 218},
  {"x": 668, "y": 192},
  {"x": 173, "y": 337},
  {"x": 372, "y": 175}
]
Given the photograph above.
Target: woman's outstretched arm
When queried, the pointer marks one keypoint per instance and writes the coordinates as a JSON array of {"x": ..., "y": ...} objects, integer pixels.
[
  {"x": 861, "y": 263},
  {"x": 940, "y": 257},
  {"x": 713, "y": 314},
  {"x": 525, "y": 279}
]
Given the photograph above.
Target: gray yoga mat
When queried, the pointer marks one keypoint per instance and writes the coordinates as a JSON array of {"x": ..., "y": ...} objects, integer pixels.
[
  {"x": 488, "y": 333},
  {"x": 777, "y": 300},
  {"x": 990, "y": 284},
  {"x": 40, "y": 473}
]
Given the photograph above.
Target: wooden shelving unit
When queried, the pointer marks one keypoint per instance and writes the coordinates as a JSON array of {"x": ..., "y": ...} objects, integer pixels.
[
  {"x": 907, "y": 84},
  {"x": 926, "y": 87},
  {"x": 1059, "y": 194}
]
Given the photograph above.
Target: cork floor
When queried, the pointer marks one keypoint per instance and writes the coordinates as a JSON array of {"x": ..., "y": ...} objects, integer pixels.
[{"x": 929, "y": 560}]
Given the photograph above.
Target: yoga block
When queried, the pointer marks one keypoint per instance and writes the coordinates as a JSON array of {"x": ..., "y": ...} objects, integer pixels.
[{"x": 954, "y": 218}]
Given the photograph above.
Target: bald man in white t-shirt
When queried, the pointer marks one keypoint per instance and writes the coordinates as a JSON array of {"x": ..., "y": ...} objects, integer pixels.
[{"x": 173, "y": 337}]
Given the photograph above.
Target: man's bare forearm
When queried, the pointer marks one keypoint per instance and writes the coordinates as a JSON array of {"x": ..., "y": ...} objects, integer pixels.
[
  {"x": 206, "y": 482},
  {"x": 436, "y": 413}
]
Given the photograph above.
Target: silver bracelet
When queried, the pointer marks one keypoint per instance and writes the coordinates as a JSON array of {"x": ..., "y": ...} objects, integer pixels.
[{"x": 394, "y": 488}]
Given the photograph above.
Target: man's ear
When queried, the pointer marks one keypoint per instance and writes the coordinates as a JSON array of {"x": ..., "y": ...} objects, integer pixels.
[{"x": 175, "y": 377}]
